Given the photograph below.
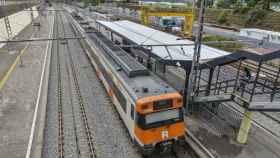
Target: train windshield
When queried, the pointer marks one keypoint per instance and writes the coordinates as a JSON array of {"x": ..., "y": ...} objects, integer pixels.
[{"x": 160, "y": 118}]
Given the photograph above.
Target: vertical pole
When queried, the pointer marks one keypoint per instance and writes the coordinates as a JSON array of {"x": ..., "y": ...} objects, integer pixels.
[
  {"x": 144, "y": 16},
  {"x": 164, "y": 68},
  {"x": 237, "y": 76},
  {"x": 196, "y": 56},
  {"x": 112, "y": 37},
  {"x": 211, "y": 71},
  {"x": 264, "y": 85},
  {"x": 217, "y": 79},
  {"x": 198, "y": 82},
  {"x": 31, "y": 15},
  {"x": 245, "y": 126},
  {"x": 255, "y": 82},
  {"x": 275, "y": 85},
  {"x": 187, "y": 68},
  {"x": 246, "y": 121},
  {"x": 188, "y": 24},
  {"x": 8, "y": 28}
]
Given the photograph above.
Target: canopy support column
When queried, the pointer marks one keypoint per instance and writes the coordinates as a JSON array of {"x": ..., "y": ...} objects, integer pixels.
[
  {"x": 244, "y": 127},
  {"x": 187, "y": 68}
]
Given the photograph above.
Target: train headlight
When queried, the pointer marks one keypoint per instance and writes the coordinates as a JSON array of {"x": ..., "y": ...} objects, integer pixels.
[
  {"x": 145, "y": 107},
  {"x": 179, "y": 101}
]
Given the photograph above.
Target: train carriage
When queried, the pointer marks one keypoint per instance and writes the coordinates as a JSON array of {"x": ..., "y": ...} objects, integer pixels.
[{"x": 150, "y": 108}]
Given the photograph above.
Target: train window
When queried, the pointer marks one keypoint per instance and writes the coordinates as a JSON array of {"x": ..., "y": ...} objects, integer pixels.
[
  {"x": 158, "y": 119},
  {"x": 132, "y": 112},
  {"x": 162, "y": 116},
  {"x": 162, "y": 104},
  {"x": 120, "y": 97}
]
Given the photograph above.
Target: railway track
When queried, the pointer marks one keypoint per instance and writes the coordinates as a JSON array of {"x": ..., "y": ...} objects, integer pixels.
[
  {"x": 59, "y": 100},
  {"x": 75, "y": 99},
  {"x": 81, "y": 103},
  {"x": 69, "y": 89}
]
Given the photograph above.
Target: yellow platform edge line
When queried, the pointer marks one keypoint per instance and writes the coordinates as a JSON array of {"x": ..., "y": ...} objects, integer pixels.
[{"x": 13, "y": 66}]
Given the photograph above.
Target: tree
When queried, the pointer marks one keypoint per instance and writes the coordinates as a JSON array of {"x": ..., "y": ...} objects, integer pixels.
[
  {"x": 225, "y": 3},
  {"x": 266, "y": 4},
  {"x": 263, "y": 4}
]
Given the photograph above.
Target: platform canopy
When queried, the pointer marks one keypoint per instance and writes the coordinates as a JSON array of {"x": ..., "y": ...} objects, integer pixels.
[{"x": 163, "y": 45}]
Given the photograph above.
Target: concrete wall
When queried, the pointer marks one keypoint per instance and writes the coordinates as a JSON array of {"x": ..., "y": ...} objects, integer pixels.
[
  {"x": 18, "y": 22},
  {"x": 6, "y": 10}
]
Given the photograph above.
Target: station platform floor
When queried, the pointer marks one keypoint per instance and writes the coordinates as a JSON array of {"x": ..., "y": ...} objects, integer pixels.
[
  {"x": 259, "y": 145},
  {"x": 19, "y": 88}
]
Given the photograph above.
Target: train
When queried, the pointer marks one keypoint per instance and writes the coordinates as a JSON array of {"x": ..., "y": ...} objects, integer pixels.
[{"x": 149, "y": 107}]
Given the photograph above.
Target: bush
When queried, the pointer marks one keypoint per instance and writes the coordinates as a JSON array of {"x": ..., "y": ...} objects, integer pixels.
[
  {"x": 255, "y": 15},
  {"x": 242, "y": 10},
  {"x": 210, "y": 38},
  {"x": 276, "y": 28},
  {"x": 222, "y": 18},
  {"x": 251, "y": 3},
  {"x": 231, "y": 47},
  {"x": 221, "y": 4}
]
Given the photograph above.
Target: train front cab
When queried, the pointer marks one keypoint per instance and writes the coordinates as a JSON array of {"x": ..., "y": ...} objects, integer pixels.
[{"x": 159, "y": 121}]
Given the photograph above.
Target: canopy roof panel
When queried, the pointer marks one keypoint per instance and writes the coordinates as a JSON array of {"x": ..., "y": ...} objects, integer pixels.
[
  {"x": 143, "y": 35},
  {"x": 178, "y": 49}
]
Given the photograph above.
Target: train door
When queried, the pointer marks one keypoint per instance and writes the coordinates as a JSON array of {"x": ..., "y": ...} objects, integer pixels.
[{"x": 130, "y": 117}]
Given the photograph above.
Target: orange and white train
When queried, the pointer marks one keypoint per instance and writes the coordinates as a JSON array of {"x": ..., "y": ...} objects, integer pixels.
[{"x": 150, "y": 108}]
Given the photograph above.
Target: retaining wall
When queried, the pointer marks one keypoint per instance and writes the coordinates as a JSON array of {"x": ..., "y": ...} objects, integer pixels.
[{"x": 18, "y": 22}]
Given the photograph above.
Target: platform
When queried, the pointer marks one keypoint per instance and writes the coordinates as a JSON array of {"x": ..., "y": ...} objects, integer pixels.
[
  {"x": 19, "y": 91},
  {"x": 259, "y": 145}
]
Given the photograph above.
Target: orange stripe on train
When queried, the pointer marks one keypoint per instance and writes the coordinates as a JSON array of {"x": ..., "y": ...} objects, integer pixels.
[
  {"x": 145, "y": 105},
  {"x": 159, "y": 134}
]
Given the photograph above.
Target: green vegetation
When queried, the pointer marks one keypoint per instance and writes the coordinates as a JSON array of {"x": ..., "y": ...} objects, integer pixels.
[
  {"x": 243, "y": 17},
  {"x": 233, "y": 4},
  {"x": 92, "y": 2},
  {"x": 169, "y": 5},
  {"x": 222, "y": 18},
  {"x": 222, "y": 43},
  {"x": 255, "y": 16},
  {"x": 222, "y": 4}
]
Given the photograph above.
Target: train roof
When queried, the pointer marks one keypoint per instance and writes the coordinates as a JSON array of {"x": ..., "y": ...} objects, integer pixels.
[
  {"x": 176, "y": 49},
  {"x": 138, "y": 86}
]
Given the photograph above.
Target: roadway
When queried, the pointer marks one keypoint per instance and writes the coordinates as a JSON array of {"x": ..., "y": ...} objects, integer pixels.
[{"x": 234, "y": 35}]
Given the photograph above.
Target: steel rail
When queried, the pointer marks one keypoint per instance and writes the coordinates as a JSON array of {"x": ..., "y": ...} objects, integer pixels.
[
  {"x": 60, "y": 102},
  {"x": 81, "y": 102},
  {"x": 200, "y": 145},
  {"x": 41, "y": 39}
]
